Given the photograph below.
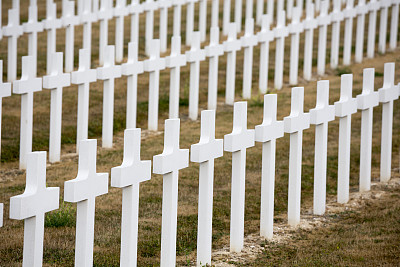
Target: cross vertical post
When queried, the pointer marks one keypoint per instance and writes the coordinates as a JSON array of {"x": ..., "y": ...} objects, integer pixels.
[
  {"x": 362, "y": 10},
  {"x": 203, "y": 20},
  {"x": 163, "y": 7},
  {"x": 310, "y": 23},
  {"x": 349, "y": 13},
  {"x": 177, "y": 4},
  {"x": 385, "y": 4},
  {"x": 394, "y": 25},
  {"x": 280, "y": 32},
  {"x": 295, "y": 28},
  {"x": 135, "y": 9},
  {"x": 238, "y": 15},
  {"x": 120, "y": 11},
  {"x": 249, "y": 40},
  {"x": 32, "y": 27},
  {"x": 265, "y": 36},
  {"x": 69, "y": 20},
  {"x": 323, "y": 21},
  {"x": 51, "y": 24},
  {"x": 189, "y": 21},
  {"x": 336, "y": 18},
  {"x": 373, "y": 7},
  {"x": 104, "y": 14},
  {"x": 226, "y": 17},
  {"x": 5, "y": 90}
]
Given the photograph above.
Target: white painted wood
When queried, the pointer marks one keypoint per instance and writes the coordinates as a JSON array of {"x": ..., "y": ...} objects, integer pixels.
[
  {"x": 163, "y": 6},
  {"x": 204, "y": 153},
  {"x": 366, "y": 102},
  {"x": 267, "y": 133},
  {"x": 120, "y": 11},
  {"x": 249, "y": 9},
  {"x": 5, "y": 90},
  {"x": 310, "y": 23},
  {"x": 373, "y": 7},
  {"x": 226, "y": 16},
  {"x": 337, "y": 17},
  {"x": 69, "y": 21},
  {"x": 270, "y": 9},
  {"x": 83, "y": 77},
  {"x": 153, "y": 65},
  {"x": 32, "y": 27},
  {"x": 87, "y": 17},
  {"x": 149, "y": 6},
  {"x": 83, "y": 190},
  {"x": 295, "y": 28},
  {"x": 51, "y": 24},
  {"x": 55, "y": 81},
  {"x": 214, "y": 14},
  {"x": 1, "y": 214},
  {"x": 237, "y": 142},
  {"x": 168, "y": 164},
  {"x": 259, "y": 11},
  {"x": 279, "y": 9},
  {"x": 383, "y": 15},
  {"x": 104, "y": 15},
  {"x": 32, "y": 205},
  {"x": 344, "y": 108},
  {"x": 323, "y": 21},
  {"x": 280, "y": 32},
  {"x": 362, "y": 10},
  {"x": 238, "y": 15},
  {"x": 128, "y": 176},
  {"x": 387, "y": 94},
  {"x": 175, "y": 61},
  {"x": 265, "y": 36},
  {"x": 135, "y": 9},
  {"x": 203, "y": 19},
  {"x": 348, "y": 13},
  {"x": 394, "y": 25},
  {"x": 131, "y": 69},
  {"x": 299, "y": 4},
  {"x": 26, "y": 86},
  {"x": 189, "y": 21},
  {"x": 294, "y": 124},
  {"x": 177, "y": 4},
  {"x": 231, "y": 45},
  {"x": 249, "y": 40},
  {"x": 213, "y": 51},
  {"x": 320, "y": 116},
  {"x": 108, "y": 73}
]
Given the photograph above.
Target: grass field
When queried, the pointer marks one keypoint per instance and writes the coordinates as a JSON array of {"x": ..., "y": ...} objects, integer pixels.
[{"x": 60, "y": 230}]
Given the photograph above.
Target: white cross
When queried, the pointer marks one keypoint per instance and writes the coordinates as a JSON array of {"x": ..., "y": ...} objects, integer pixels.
[
  {"x": 323, "y": 21},
  {"x": 231, "y": 45},
  {"x": 280, "y": 32},
  {"x": 267, "y": 133},
  {"x": 383, "y": 14},
  {"x": 83, "y": 77},
  {"x": 135, "y": 9},
  {"x": 131, "y": 69},
  {"x": 128, "y": 176},
  {"x": 120, "y": 11},
  {"x": 394, "y": 25},
  {"x": 5, "y": 90},
  {"x": 32, "y": 205},
  {"x": 175, "y": 61},
  {"x": 373, "y": 7},
  {"x": 213, "y": 51},
  {"x": 83, "y": 190},
  {"x": 149, "y": 6},
  {"x": 13, "y": 30},
  {"x": 153, "y": 65},
  {"x": 387, "y": 94},
  {"x": 194, "y": 56},
  {"x": 104, "y": 15},
  {"x": 336, "y": 17},
  {"x": 265, "y": 36},
  {"x": 349, "y": 13},
  {"x": 108, "y": 73},
  {"x": 310, "y": 23},
  {"x": 249, "y": 40},
  {"x": 362, "y": 10},
  {"x": 69, "y": 20},
  {"x": 204, "y": 153},
  {"x": 163, "y": 7},
  {"x": 32, "y": 27},
  {"x": 320, "y": 116},
  {"x": 26, "y": 86},
  {"x": 177, "y": 4},
  {"x": 189, "y": 21},
  {"x": 51, "y": 24},
  {"x": 237, "y": 142},
  {"x": 168, "y": 164},
  {"x": 55, "y": 82},
  {"x": 295, "y": 28},
  {"x": 346, "y": 106},
  {"x": 366, "y": 102},
  {"x": 294, "y": 124}
]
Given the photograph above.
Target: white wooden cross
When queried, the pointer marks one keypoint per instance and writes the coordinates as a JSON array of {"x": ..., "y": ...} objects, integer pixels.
[
  {"x": 83, "y": 190},
  {"x": 149, "y": 6},
  {"x": 280, "y": 32},
  {"x": 348, "y": 13},
  {"x": 13, "y": 31},
  {"x": 128, "y": 176},
  {"x": 294, "y": 124},
  {"x": 238, "y": 15},
  {"x": 32, "y": 27},
  {"x": 135, "y": 9},
  {"x": 237, "y": 142},
  {"x": 189, "y": 20},
  {"x": 373, "y": 7},
  {"x": 168, "y": 164},
  {"x": 267, "y": 133},
  {"x": 131, "y": 70},
  {"x": 226, "y": 17},
  {"x": 177, "y": 4},
  {"x": 310, "y": 23},
  {"x": 385, "y": 4},
  {"x": 320, "y": 116},
  {"x": 108, "y": 73},
  {"x": 175, "y": 61},
  {"x": 69, "y": 21},
  {"x": 204, "y": 153},
  {"x": 213, "y": 51},
  {"x": 323, "y": 21},
  {"x": 32, "y": 205},
  {"x": 163, "y": 6},
  {"x": 26, "y": 86},
  {"x": 394, "y": 25},
  {"x": 336, "y": 18},
  {"x": 387, "y": 94},
  {"x": 249, "y": 40},
  {"x": 120, "y": 11},
  {"x": 231, "y": 45},
  {"x": 87, "y": 17},
  {"x": 83, "y": 77},
  {"x": 295, "y": 29},
  {"x": 104, "y": 14},
  {"x": 265, "y": 36},
  {"x": 55, "y": 82},
  {"x": 51, "y": 24},
  {"x": 362, "y": 10},
  {"x": 153, "y": 65},
  {"x": 5, "y": 90},
  {"x": 346, "y": 106},
  {"x": 366, "y": 101},
  {"x": 194, "y": 56}
]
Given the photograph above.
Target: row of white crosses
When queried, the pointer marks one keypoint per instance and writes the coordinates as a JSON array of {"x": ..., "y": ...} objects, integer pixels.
[{"x": 83, "y": 190}]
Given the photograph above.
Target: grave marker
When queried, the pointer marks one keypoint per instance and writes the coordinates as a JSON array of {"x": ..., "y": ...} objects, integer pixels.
[
  {"x": 105, "y": 13},
  {"x": 120, "y": 11},
  {"x": 168, "y": 164},
  {"x": 349, "y": 13},
  {"x": 373, "y": 7},
  {"x": 385, "y": 4},
  {"x": 205, "y": 152},
  {"x": 310, "y": 23},
  {"x": 280, "y": 32},
  {"x": 128, "y": 176},
  {"x": 295, "y": 28},
  {"x": 32, "y": 27},
  {"x": 163, "y": 6},
  {"x": 51, "y": 24},
  {"x": 336, "y": 17},
  {"x": 55, "y": 81},
  {"x": 5, "y": 90},
  {"x": 267, "y": 133},
  {"x": 237, "y": 142},
  {"x": 346, "y": 106},
  {"x": 249, "y": 40},
  {"x": 323, "y": 21},
  {"x": 83, "y": 190},
  {"x": 69, "y": 21},
  {"x": 394, "y": 25},
  {"x": 362, "y": 10},
  {"x": 32, "y": 205},
  {"x": 265, "y": 36}
]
